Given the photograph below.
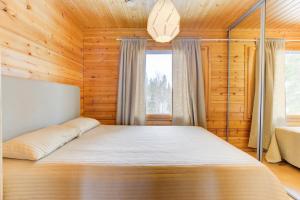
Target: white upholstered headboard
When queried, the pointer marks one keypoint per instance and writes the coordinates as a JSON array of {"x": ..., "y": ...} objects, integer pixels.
[{"x": 31, "y": 104}]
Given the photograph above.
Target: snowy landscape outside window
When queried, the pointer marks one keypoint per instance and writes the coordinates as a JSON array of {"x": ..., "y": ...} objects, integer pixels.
[
  {"x": 159, "y": 82},
  {"x": 292, "y": 83}
]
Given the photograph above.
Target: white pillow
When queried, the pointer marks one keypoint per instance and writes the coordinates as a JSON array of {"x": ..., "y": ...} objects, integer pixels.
[
  {"x": 38, "y": 144},
  {"x": 84, "y": 124}
]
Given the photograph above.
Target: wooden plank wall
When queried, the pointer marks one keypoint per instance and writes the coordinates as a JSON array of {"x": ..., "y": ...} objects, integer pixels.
[
  {"x": 1, "y": 154},
  {"x": 39, "y": 40},
  {"x": 101, "y": 59}
]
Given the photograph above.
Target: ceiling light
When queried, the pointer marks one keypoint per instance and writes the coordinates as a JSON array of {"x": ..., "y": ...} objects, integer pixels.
[{"x": 163, "y": 21}]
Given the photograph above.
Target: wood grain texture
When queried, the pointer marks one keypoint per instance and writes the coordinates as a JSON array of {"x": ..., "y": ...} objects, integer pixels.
[
  {"x": 204, "y": 14},
  {"x": 39, "y": 40},
  {"x": 288, "y": 174},
  {"x": 1, "y": 154},
  {"x": 280, "y": 14},
  {"x": 293, "y": 120},
  {"x": 43, "y": 40},
  {"x": 101, "y": 60},
  {"x": 76, "y": 182},
  {"x": 288, "y": 34}
]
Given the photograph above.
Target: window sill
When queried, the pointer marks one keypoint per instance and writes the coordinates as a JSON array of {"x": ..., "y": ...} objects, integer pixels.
[
  {"x": 159, "y": 120},
  {"x": 158, "y": 117},
  {"x": 293, "y": 120}
]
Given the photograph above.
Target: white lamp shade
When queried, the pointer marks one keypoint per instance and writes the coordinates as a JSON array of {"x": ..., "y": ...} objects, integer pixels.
[{"x": 163, "y": 21}]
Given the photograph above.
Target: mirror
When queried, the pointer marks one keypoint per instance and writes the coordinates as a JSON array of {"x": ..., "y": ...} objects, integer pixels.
[
  {"x": 243, "y": 60},
  {"x": 282, "y": 94}
]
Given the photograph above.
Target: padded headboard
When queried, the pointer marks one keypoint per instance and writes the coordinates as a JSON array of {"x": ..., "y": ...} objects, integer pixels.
[{"x": 31, "y": 104}]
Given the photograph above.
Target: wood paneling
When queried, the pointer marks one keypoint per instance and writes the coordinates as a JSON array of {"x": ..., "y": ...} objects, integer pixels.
[
  {"x": 1, "y": 154},
  {"x": 39, "y": 40},
  {"x": 242, "y": 90},
  {"x": 281, "y": 14},
  {"x": 162, "y": 120},
  {"x": 101, "y": 57},
  {"x": 250, "y": 64},
  {"x": 43, "y": 40},
  {"x": 204, "y": 14},
  {"x": 288, "y": 34},
  {"x": 293, "y": 120}
]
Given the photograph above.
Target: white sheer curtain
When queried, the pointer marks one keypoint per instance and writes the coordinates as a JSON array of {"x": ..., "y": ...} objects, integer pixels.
[
  {"x": 274, "y": 105},
  {"x": 188, "y": 83},
  {"x": 131, "y": 91}
]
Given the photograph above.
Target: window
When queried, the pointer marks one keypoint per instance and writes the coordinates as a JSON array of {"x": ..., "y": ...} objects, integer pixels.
[
  {"x": 292, "y": 83},
  {"x": 159, "y": 83}
]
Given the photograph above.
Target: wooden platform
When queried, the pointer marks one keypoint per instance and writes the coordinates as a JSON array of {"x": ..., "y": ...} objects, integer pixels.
[{"x": 288, "y": 174}]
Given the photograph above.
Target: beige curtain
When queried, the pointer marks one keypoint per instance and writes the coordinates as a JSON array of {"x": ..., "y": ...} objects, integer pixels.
[
  {"x": 274, "y": 105},
  {"x": 131, "y": 91},
  {"x": 188, "y": 83}
]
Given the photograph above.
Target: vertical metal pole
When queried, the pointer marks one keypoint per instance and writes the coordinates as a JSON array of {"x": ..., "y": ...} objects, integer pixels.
[
  {"x": 261, "y": 82},
  {"x": 228, "y": 84}
]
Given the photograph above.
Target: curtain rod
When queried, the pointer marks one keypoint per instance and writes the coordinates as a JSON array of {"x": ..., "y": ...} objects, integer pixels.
[
  {"x": 292, "y": 40},
  {"x": 207, "y": 39},
  {"x": 215, "y": 39}
]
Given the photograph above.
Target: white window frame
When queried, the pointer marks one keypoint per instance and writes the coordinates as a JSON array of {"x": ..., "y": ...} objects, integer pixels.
[
  {"x": 293, "y": 120},
  {"x": 159, "y": 117}
]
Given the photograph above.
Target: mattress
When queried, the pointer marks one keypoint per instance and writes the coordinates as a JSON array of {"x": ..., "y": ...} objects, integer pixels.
[
  {"x": 143, "y": 162},
  {"x": 285, "y": 145}
]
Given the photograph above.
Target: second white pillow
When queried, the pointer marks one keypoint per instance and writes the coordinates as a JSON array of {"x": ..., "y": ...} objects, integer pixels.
[{"x": 84, "y": 124}]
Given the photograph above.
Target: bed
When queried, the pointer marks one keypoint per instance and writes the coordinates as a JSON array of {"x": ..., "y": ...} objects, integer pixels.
[
  {"x": 122, "y": 162},
  {"x": 285, "y": 145},
  {"x": 142, "y": 162}
]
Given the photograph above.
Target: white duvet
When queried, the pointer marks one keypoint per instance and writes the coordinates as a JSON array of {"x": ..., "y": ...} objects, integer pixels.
[{"x": 143, "y": 162}]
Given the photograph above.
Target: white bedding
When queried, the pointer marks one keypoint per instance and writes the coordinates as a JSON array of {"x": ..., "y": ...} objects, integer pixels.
[
  {"x": 155, "y": 145},
  {"x": 128, "y": 162},
  {"x": 285, "y": 145}
]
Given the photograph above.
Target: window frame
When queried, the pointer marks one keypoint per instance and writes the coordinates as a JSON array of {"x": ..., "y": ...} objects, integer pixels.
[
  {"x": 156, "y": 118},
  {"x": 292, "y": 120}
]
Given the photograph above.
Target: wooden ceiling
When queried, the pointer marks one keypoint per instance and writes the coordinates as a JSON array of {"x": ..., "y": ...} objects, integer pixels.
[
  {"x": 201, "y": 14},
  {"x": 281, "y": 14},
  {"x": 195, "y": 14}
]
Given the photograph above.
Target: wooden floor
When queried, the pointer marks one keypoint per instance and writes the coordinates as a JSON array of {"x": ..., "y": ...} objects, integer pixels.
[{"x": 288, "y": 174}]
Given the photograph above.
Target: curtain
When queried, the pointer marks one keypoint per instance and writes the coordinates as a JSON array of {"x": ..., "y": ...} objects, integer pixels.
[
  {"x": 131, "y": 99},
  {"x": 274, "y": 99},
  {"x": 188, "y": 83}
]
